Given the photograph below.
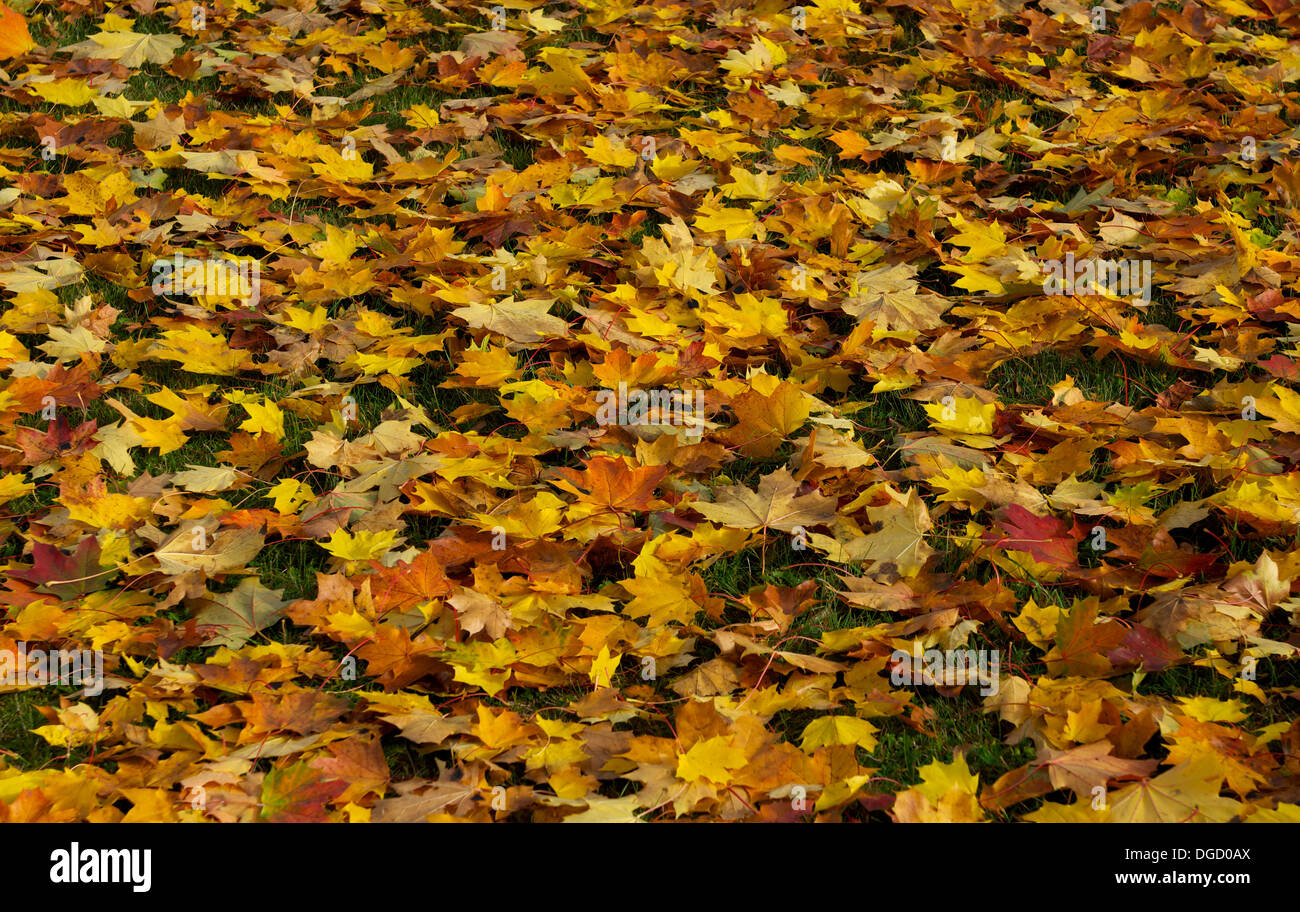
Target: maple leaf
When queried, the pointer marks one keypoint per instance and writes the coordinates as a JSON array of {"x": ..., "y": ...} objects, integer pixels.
[
  {"x": 763, "y": 421},
  {"x": 361, "y": 546},
  {"x": 612, "y": 484},
  {"x": 476, "y": 611},
  {"x": 781, "y": 604},
  {"x": 897, "y": 543},
  {"x": 609, "y": 810},
  {"x": 418, "y": 799},
  {"x": 15, "y": 40},
  {"x": 223, "y": 551},
  {"x": 408, "y": 583},
  {"x": 302, "y": 713},
  {"x": 238, "y": 615},
  {"x": 128, "y": 48},
  {"x": 838, "y": 730},
  {"x": 65, "y": 575},
  {"x": 603, "y": 667},
  {"x": 521, "y": 322},
  {"x": 714, "y": 759},
  {"x": 1188, "y": 793},
  {"x": 1048, "y": 540},
  {"x": 677, "y": 265},
  {"x": 966, "y": 415},
  {"x": 1084, "y": 768},
  {"x": 359, "y": 763},
  {"x": 1145, "y": 648},
  {"x": 763, "y": 55},
  {"x": 890, "y": 298},
  {"x": 1083, "y": 640},
  {"x": 206, "y": 480},
  {"x": 776, "y": 504},
  {"x": 298, "y": 794},
  {"x": 709, "y": 679},
  {"x": 57, "y": 441},
  {"x": 946, "y": 794},
  {"x": 33, "y": 806}
]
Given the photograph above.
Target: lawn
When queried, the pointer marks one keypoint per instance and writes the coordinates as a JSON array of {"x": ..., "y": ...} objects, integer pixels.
[{"x": 616, "y": 412}]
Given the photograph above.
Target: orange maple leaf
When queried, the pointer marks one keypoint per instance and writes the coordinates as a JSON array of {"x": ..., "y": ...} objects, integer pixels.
[{"x": 15, "y": 40}]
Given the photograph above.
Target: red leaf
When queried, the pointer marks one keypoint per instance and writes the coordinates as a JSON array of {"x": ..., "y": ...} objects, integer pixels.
[
  {"x": 65, "y": 575},
  {"x": 298, "y": 794},
  {"x": 55, "y": 442},
  {"x": 1143, "y": 646},
  {"x": 1047, "y": 539}
]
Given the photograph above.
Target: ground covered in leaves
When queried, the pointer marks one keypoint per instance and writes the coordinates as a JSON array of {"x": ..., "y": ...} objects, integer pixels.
[{"x": 362, "y": 544}]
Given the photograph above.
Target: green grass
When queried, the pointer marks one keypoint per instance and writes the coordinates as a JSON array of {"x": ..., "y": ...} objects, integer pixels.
[
  {"x": 19, "y": 716},
  {"x": 1115, "y": 378}
]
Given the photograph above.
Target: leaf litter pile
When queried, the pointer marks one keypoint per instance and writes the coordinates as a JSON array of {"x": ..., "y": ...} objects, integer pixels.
[{"x": 602, "y": 411}]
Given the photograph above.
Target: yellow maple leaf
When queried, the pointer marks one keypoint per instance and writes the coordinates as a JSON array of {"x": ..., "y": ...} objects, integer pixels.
[
  {"x": 714, "y": 759},
  {"x": 937, "y": 779},
  {"x": 198, "y": 350},
  {"x": 264, "y": 418},
  {"x": 966, "y": 415},
  {"x": 337, "y": 247},
  {"x": 336, "y": 166},
  {"x": 946, "y": 793},
  {"x": 421, "y": 117},
  {"x": 761, "y": 57},
  {"x": 289, "y": 494},
  {"x": 732, "y": 222},
  {"x": 165, "y": 434},
  {"x": 615, "y": 155},
  {"x": 1189, "y": 793},
  {"x": 14, "y": 485},
  {"x": 603, "y": 667},
  {"x": 1208, "y": 709},
  {"x": 71, "y": 92},
  {"x": 609, "y": 810},
  {"x": 109, "y": 511},
  {"x": 985, "y": 239},
  {"x": 361, "y": 546},
  {"x": 752, "y": 185},
  {"x": 830, "y": 730}
]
